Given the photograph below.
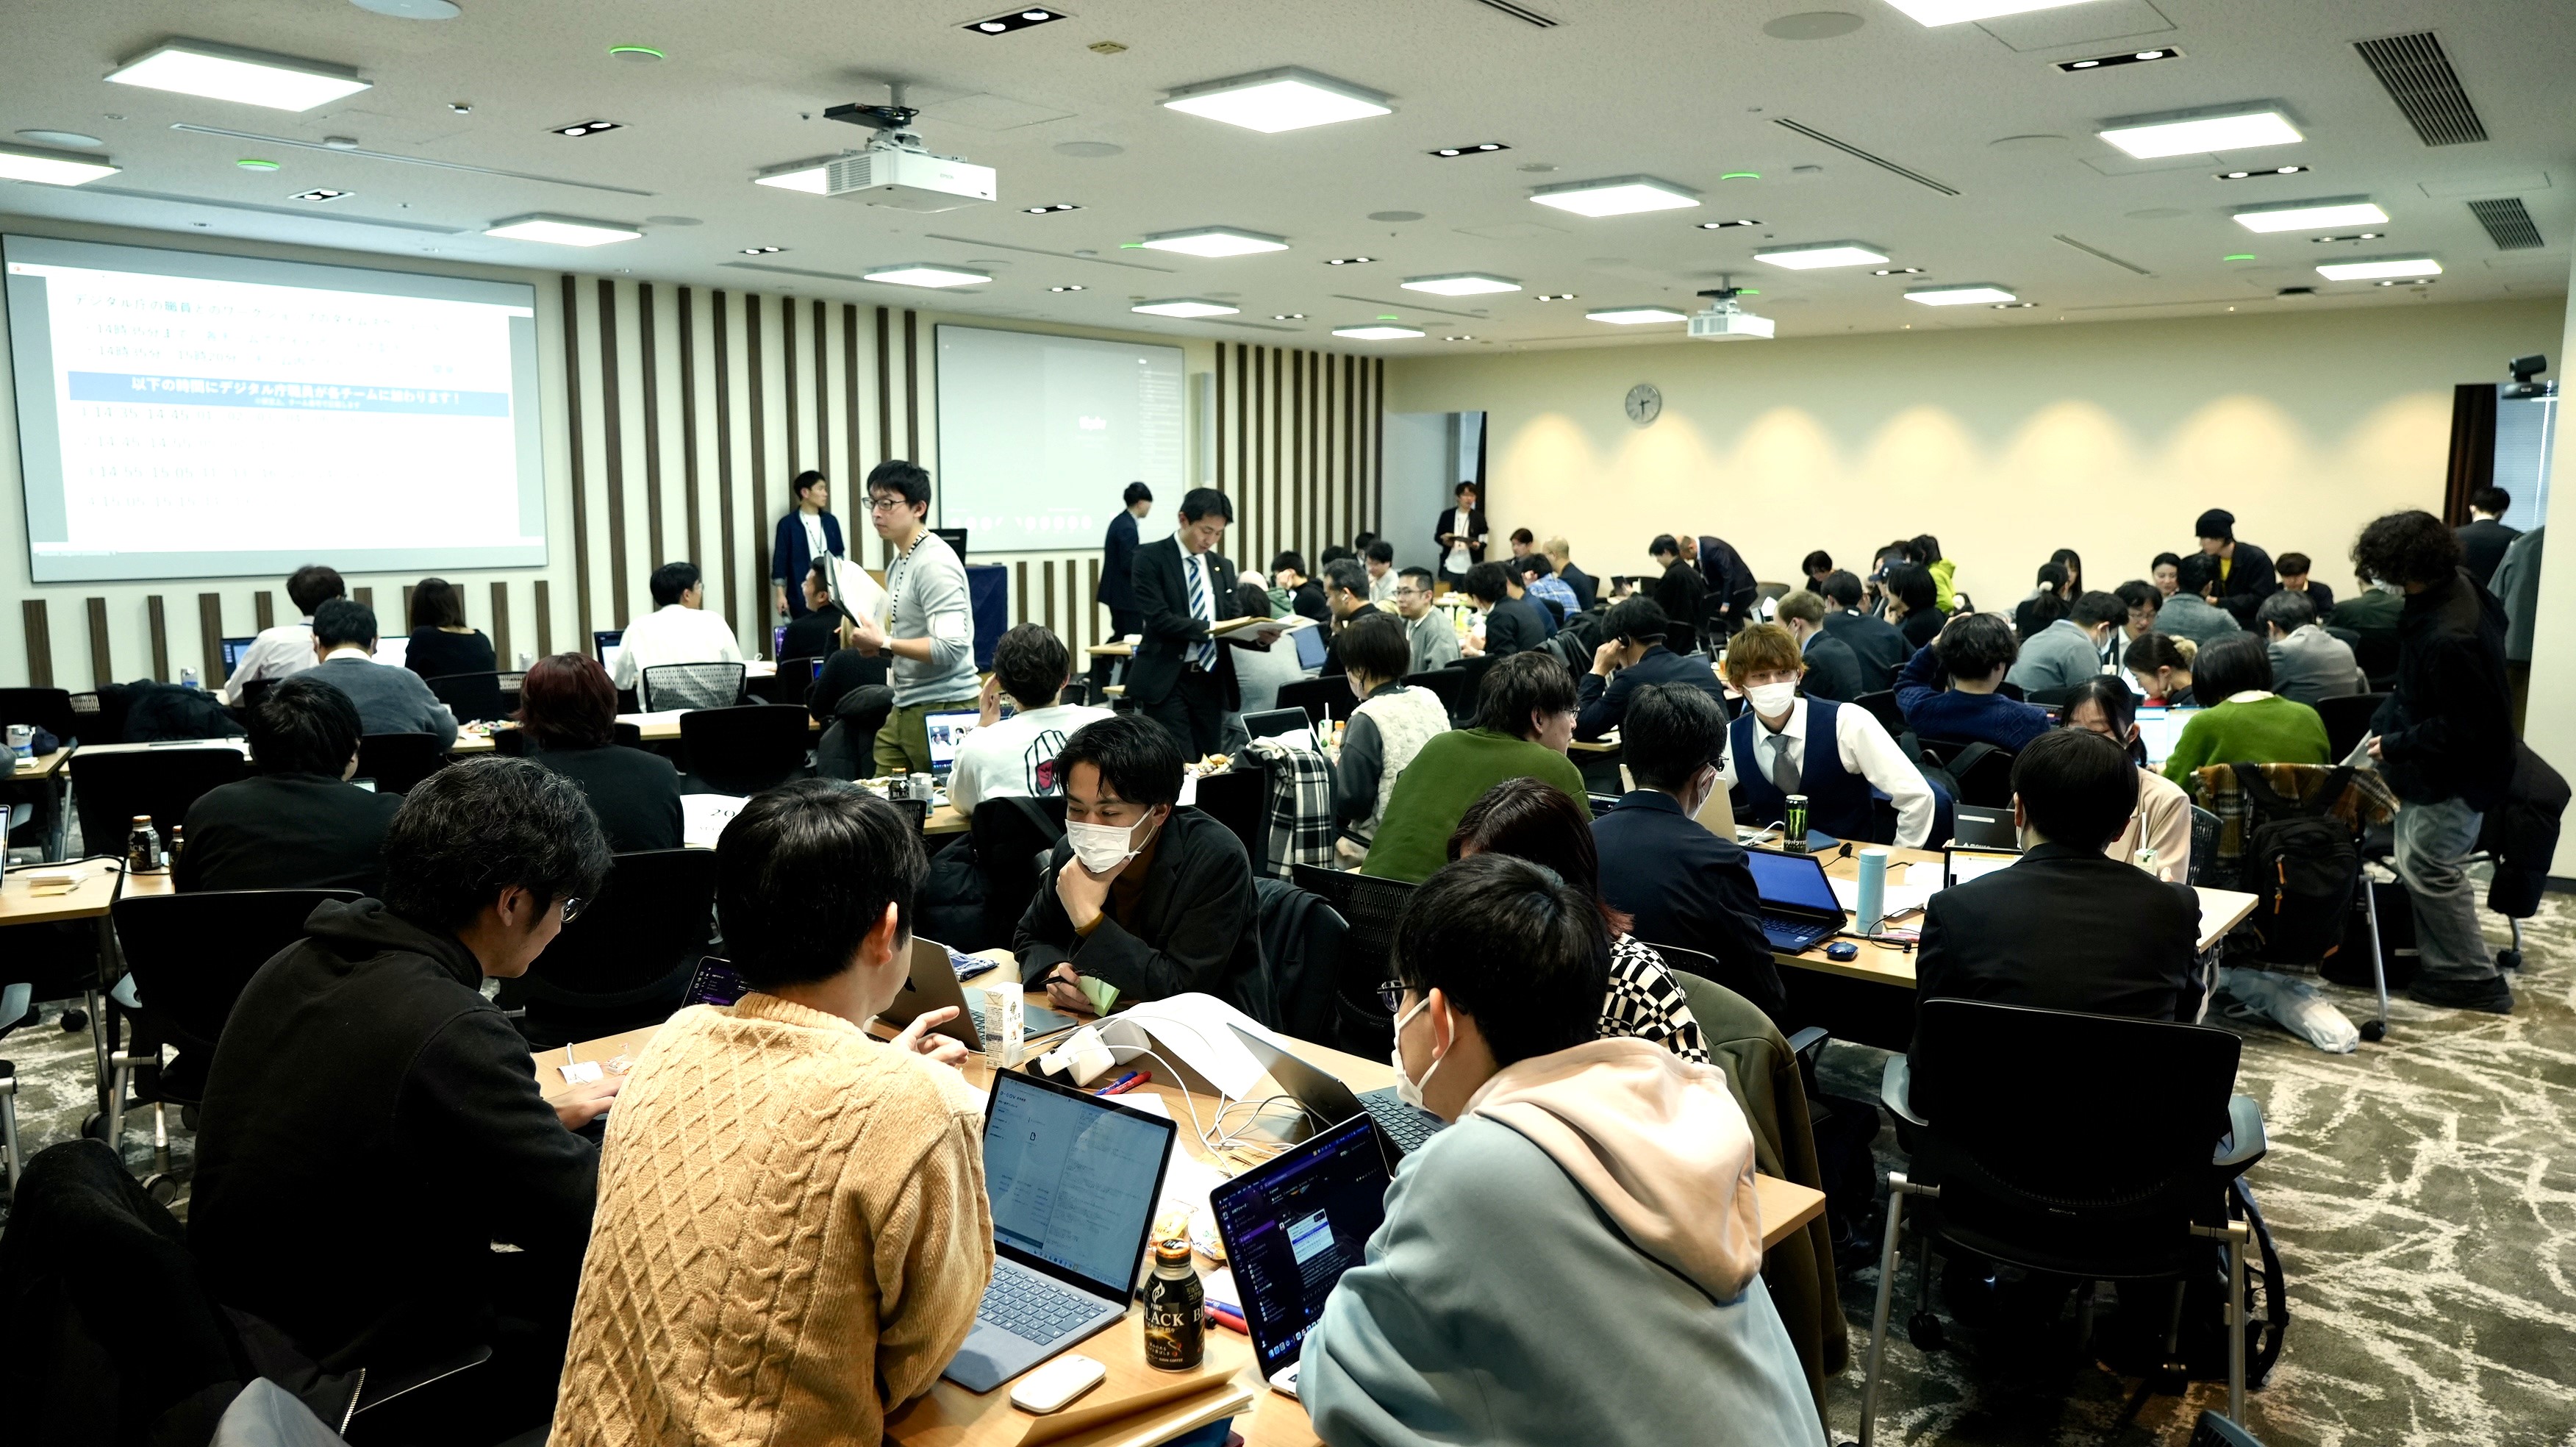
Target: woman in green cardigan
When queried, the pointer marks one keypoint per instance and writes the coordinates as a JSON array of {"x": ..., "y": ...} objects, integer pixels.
[
  {"x": 1524, "y": 722},
  {"x": 2244, "y": 722}
]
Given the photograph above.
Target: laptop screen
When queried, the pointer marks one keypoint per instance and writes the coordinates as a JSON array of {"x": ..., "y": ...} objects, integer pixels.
[
  {"x": 234, "y": 648},
  {"x": 2158, "y": 728},
  {"x": 1294, "y": 1225},
  {"x": 1793, "y": 881},
  {"x": 947, "y": 731},
  {"x": 605, "y": 643},
  {"x": 1310, "y": 647},
  {"x": 1072, "y": 1178}
]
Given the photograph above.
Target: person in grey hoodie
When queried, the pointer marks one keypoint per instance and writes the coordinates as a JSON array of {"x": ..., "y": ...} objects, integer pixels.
[{"x": 1578, "y": 1257}]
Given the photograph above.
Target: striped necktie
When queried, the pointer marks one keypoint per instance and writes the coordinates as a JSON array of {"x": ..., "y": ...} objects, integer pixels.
[{"x": 1195, "y": 564}]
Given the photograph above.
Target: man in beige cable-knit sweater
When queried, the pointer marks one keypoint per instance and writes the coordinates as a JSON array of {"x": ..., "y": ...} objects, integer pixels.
[{"x": 792, "y": 1235}]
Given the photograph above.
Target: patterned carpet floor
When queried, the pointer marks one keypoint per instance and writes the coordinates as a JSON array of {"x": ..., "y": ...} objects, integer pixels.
[{"x": 2422, "y": 1194}]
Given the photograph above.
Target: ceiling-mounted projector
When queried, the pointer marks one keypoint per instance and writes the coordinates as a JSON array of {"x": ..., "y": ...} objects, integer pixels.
[
  {"x": 1724, "y": 321},
  {"x": 896, "y": 171}
]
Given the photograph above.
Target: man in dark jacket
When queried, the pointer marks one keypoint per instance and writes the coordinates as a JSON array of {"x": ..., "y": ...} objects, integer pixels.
[
  {"x": 1680, "y": 592},
  {"x": 1182, "y": 676},
  {"x": 2485, "y": 537},
  {"x": 1142, "y": 898},
  {"x": 2444, "y": 738},
  {"x": 2245, "y": 576},
  {"x": 1730, "y": 579},
  {"x": 299, "y": 824},
  {"x": 1684, "y": 885},
  {"x": 1833, "y": 670},
  {"x": 2068, "y": 927},
  {"x": 1874, "y": 641},
  {"x": 1118, "y": 564},
  {"x": 372, "y": 1125},
  {"x": 1305, "y": 592},
  {"x": 1513, "y": 624},
  {"x": 1632, "y": 656}
]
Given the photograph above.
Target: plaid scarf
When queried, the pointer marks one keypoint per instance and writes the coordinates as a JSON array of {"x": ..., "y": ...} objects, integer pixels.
[
  {"x": 1300, "y": 812},
  {"x": 2365, "y": 802}
]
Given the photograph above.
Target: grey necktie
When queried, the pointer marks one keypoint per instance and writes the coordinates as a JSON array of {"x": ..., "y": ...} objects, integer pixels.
[{"x": 1784, "y": 770}]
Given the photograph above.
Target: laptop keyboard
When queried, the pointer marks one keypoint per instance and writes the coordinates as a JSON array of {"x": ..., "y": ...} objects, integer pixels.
[
  {"x": 1032, "y": 1307},
  {"x": 1783, "y": 927},
  {"x": 1407, "y": 1127}
]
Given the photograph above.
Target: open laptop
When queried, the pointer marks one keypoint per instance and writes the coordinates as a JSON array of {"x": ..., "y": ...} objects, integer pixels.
[
  {"x": 607, "y": 643},
  {"x": 1073, "y": 1178},
  {"x": 234, "y": 650},
  {"x": 1987, "y": 826},
  {"x": 1799, "y": 911},
  {"x": 2158, "y": 728},
  {"x": 1310, "y": 647},
  {"x": 1292, "y": 1225},
  {"x": 947, "y": 732},
  {"x": 1961, "y": 863},
  {"x": 1288, "y": 725},
  {"x": 933, "y": 982},
  {"x": 1328, "y": 1102}
]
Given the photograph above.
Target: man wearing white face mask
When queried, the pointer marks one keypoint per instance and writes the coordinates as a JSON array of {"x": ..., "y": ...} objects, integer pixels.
[
  {"x": 1141, "y": 900},
  {"x": 1589, "y": 1214},
  {"x": 1631, "y": 656},
  {"x": 1768, "y": 757},
  {"x": 1682, "y": 884}
]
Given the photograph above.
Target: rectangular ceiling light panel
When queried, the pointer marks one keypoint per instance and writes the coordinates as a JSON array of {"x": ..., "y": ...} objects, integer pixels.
[
  {"x": 2148, "y": 138},
  {"x": 1380, "y": 332},
  {"x": 1186, "y": 306},
  {"x": 2308, "y": 215},
  {"x": 1287, "y": 99},
  {"x": 1616, "y": 196},
  {"x": 51, "y": 168},
  {"x": 1213, "y": 241},
  {"x": 251, "y": 77},
  {"x": 924, "y": 273},
  {"x": 561, "y": 230},
  {"x": 1831, "y": 253},
  {"x": 1632, "y": 316},
  {"x": 1469, "y": 283},
  {"x": 1953, "y": 12},
  {"x": 2378, "y": 267},
  {"x": 1961, "y": 295}
]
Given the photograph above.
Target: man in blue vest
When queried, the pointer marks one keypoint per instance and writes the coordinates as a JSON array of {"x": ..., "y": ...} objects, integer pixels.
[{"x": 1768, "y": 756}]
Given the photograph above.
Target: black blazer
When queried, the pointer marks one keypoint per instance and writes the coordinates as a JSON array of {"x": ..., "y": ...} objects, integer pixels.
[
  {"x": 1687, "y": 887},
  {"x": 1587, "y": 589},
  {"x": 2064, "y": 929},
  {"x": 433, "y": 653},
  {"x": 812, "y": 635},
  {"x": 635, "y": 794},
  {"x": 1196, "y": 926},
  {"x": 1679, "y": 592},
  {"x": 1307, "y": 601},
  {"x": 1874, "y": 642},
  {"x": 2250, "y": 580},
  {"x": 1163, "y": 596},
  {"x": 2482, "y": 545},
  {"x": 1919, "y": 629},
  {"x": 1118, "y": 564},
  {"x": 1473, "y": 531},
  {"x": 286, "y": 831},
  {"x": 1604, "y": 702},
  {"x": 1514, "y": 626},
  {"x": 1730, "y": 578},
  {"x": 1833, "y": 671}
]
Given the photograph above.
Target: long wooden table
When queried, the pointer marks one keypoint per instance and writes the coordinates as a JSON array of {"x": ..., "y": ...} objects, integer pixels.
[{"x": 951, "y": 1416}]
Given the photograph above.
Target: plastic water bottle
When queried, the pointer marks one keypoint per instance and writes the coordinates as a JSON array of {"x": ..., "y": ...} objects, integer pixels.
[
  {"x": 1873, "y": 890},
  {"x": 187, "y": 678}
]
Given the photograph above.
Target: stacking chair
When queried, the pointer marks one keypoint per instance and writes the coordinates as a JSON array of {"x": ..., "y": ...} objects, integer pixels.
[
  {"x": 1323, "y": 699},
  {"x": 190, "y": 956},
  {"x": 691, "y": 685},
  {"x": 1450, "y": 685},
  {"x": 1370, "y": 907},
  {"x": 2347, "y": 721},
  {"x": 1882, "y": 707},
  {"x": 397, "y": 761},
  {"x": 108, "y": 790},
  {"x": 624, "y": 962},
  {"x": 472, "y": 697},
  {"x": 744, "y": 750},
  {"x": 49, "y": 709},
  {"x": 1012, "y": 838},
  {"x": 2120, "y": 1170}
]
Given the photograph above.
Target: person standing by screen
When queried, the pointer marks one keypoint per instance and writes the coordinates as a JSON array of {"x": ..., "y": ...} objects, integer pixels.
[
  {"x": 1461, "y": 535},
  {"x": 929, "y": 625},
  {"x": 809, "y": 531},
  {"x": 1118, "y": 564}
]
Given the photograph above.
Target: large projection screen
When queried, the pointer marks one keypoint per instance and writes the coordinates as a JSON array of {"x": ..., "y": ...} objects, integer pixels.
[
  {"x": 189, "y": 415},
  {"x": 1039, "y": 436}
]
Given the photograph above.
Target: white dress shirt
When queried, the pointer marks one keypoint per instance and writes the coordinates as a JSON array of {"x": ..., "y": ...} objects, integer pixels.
[
  {"x": 1382, "y": 590},
  {"x": 1005, "y": 760},
  {"x": 1863, "y": 747},
  {"x": 275, "y": 653},
  {"x": 674, "y": 634}
]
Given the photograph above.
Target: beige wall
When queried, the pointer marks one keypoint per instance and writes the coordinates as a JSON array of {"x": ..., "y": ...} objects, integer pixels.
[{"x": 2004, "y": 442}]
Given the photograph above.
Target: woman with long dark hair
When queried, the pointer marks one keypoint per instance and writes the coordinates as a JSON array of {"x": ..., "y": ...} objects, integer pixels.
[
  {"x": 440, "y": 642},
  {"x": 569, "y": 712},
  {"x": 2162, "y": 821}
]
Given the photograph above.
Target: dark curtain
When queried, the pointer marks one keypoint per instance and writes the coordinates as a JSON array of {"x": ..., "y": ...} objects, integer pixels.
[{"x": 2473, "y": 438}]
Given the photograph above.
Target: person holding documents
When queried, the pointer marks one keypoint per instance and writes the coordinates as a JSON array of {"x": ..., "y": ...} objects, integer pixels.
[
  {"x": 806, "y": 535},
  {"x": 926, "y": 622},
  {"x": 1183, "y": 673}
]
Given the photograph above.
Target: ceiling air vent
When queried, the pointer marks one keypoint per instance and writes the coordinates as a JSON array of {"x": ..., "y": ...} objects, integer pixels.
[
  {"x": 2508, "y": 224},
  {"x": 2420, "y": 79},
  {"x": 1519, "y": 12}
]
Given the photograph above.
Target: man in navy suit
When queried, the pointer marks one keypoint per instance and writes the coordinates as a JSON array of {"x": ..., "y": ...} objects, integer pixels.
[
  {"x": 1631, "y": 657},
  {"x": 809, "y": 531},
  {"x": 1118, "y": 564},
  {"x": 1182, "y": 677}
]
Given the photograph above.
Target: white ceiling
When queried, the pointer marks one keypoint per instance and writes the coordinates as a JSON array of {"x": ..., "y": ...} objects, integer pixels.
[{"x": 1687, "y": 90}]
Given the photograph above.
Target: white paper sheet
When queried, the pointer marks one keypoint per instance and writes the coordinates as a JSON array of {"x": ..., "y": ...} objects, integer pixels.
[{"x": 703, "y": 817}]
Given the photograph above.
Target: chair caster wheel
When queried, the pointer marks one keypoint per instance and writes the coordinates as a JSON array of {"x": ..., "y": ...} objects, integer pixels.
[
  {"x": 2374, "y": 1030},
  {"x": 75, "y": 1021},
  {"x": 1924, "y": 1330},
  {"x": 2509, "y": 959},
  {"x": 162, "y": 1187}
]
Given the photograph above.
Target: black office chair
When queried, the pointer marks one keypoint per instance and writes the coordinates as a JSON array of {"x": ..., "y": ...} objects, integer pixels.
[
  {"x": 2120, "y": 1170},
  {"x": 746, "y": 749},
  {"x": 251, "y": 693},
  {"x": 190, "y": 956},
  {"x": 1370, "y": 907},
  {"x": 472, "y": 697},
  {"x": 108, "y": 790},
  {"x": 1983, "y": 771},
  {"x": 397, "y": 761},
  {"x": 625, "y": 960},
  {"x": 2052, "y": 697},
  {"x": 1881, "y": 705},
  {"x": 2347, "y": 721},
  {"x": 49, "y": 709},
  {"x": 1237, "y": 799},
  {"x": 17, "y": 1008},
  {"x": 691, "y": 685},
  {"x": 1301, "y": 959},
  {"x": 1450, "y": 685},
  {"x": 848, "y": 747},
  {"x": 1321, "y": 698},
  {"x": 1012, "y": 838}
]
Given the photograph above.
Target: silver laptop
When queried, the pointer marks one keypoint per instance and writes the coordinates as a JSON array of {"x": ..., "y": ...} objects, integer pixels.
[
  {"x": 1073, "y": 1178},
  {"x": 947, "y": 732},
  {"x": 1278, "y": 723},
  {"x": 932, "y": 982},
  {"x": 1328, "y": 1102},
  {"x": 2158, "y": 728}
]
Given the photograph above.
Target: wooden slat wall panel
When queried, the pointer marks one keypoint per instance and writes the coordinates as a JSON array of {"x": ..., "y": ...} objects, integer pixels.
[
  {"x": 850, "y": 415},
  {"x": 822, "y": 398},
  {"x": 912, "y": 387},
  {"x": 646, "y": 335},
  {"x": 545, "y": 621},
  {"x": 102, "y": 668},
  {"x": 367, "y": 598},
  {"x": 264, "y": 609},
  {"x": 787, "y": 389},
  {"x": 40, "y": 643},
  {"x": 613, "y": 439},
  {"x": 689, "y": 419},
  {"x": 210, "y": 636},
  {"x": 1300, "y": 448},
  {"x": 160, "y": 626},
  {"x": 724, "y": 448},
  {"x": 572, "y": 424},
  {"x": 502, "y": 657},
  {"x": 754, "y": 364}
]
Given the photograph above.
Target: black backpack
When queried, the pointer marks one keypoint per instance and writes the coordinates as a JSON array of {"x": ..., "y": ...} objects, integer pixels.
[{"x": 2302, "y": 866}]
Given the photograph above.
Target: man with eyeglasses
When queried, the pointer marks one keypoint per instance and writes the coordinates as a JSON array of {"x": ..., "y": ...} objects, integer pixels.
[
  {"x": 929, "y": 626},
  {"x": 1434, "y": 640},
  {"x": 373, "y": 1125}
]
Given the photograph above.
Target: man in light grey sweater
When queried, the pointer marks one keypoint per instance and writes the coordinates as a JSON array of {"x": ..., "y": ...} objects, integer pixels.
[
  {"x": 929, "y": 627},
  {"x": 2308, "y": 663},
  {"x": 390, "y": 700},
  {"x": 2190, "y": 613},
  {"x": 2069, "y": 651},
  {"x": 1427, "y": 629}
]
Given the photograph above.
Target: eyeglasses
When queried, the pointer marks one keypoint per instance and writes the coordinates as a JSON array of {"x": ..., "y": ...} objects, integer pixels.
[
  {"x": 572, "y": 906},
  {"x": 886, "y": 504},
  {"x": 1391, "y": 995}
]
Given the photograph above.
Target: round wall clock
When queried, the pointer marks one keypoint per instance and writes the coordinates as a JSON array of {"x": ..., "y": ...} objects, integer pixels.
[{"x": 1645, "y": 403}]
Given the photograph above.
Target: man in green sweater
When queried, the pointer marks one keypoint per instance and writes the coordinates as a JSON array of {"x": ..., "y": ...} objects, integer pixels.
[
  {"x": 2245, "y": 722},
  {"x": 1524, "y": 721}
]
